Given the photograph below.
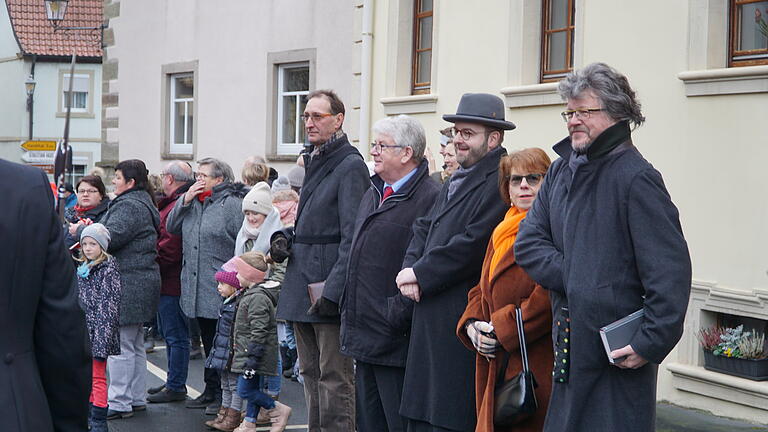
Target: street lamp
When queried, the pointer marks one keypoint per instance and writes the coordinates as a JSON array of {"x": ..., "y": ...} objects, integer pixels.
[
  {"x": 29, "y": 85},
  {"x": 55, "y": 10}
]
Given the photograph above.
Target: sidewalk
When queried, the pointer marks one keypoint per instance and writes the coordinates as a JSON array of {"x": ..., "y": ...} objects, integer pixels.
[{"x": 671, "y": 418}]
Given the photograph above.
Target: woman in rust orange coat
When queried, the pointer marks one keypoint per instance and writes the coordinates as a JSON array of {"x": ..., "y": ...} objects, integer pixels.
[{"x": 504, "y": 285}]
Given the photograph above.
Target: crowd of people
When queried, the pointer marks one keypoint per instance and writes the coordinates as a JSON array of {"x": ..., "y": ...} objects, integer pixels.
[{"x": 406, "y": 295}]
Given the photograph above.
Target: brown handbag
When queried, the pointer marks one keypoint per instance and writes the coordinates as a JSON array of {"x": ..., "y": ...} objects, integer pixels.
[{"x": 515, "y": 399}]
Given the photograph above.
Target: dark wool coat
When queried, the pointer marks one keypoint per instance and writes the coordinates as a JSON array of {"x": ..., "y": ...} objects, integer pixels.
[
  {"x": 446, "y": 255},
  {"x": 100, "y": 297},
  {"x": 335, "y": 181},
  {"x": 169, "y": 247},
  {"x": 93, "y": 214},
  {"x": 45, "y": 372},
  {"x": 133, "y": 223},
  {"x": 220, "y": 357},
  {"x": 255, "y": 323},
  {"x": 373, "y": 328},
  {"x": 208, "y": 231},
  {"x": 494, "y": 300},
  {"x": 600, "y": 239}
]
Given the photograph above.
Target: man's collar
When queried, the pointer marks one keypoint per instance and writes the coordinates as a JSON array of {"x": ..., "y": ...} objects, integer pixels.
[
  {"x": 602, "y": 145},
  {"x": 330, "y": 144}
]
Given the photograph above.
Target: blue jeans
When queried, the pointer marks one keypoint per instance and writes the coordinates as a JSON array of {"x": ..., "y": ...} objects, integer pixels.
[
  {"x": 272, "y": 384},
  {"x": 173, "y": 327},
  {"x": 250, "y": 390}
]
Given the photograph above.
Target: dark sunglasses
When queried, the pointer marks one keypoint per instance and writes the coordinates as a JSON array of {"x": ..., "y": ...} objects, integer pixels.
[{"x": 531, "y": 179}]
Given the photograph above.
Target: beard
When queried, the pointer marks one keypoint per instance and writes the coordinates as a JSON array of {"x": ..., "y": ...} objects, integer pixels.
[{"x": 473, "y": 154}]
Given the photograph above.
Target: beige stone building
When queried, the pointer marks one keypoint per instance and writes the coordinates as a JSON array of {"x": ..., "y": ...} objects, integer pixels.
[{"x": 706, "y": 103}]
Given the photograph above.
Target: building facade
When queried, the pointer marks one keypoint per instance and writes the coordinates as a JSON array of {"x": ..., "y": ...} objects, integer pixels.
[
  {"x": 207, "y": 79},
  {"x": 32, "y": 50},
  {"x": 700, "y": 68}
]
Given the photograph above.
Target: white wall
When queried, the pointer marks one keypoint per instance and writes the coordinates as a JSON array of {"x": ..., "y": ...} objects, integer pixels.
[{"x": 230, "y": 41}]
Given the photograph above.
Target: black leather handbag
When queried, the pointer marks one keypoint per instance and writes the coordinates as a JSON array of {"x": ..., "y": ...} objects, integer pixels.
[{"x": 515, "y": 399}]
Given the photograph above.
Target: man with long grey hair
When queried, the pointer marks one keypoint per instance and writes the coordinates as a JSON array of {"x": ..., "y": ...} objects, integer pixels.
[
  {"x": 375, "y": 318},
  {"x": 605, "y": 238}
]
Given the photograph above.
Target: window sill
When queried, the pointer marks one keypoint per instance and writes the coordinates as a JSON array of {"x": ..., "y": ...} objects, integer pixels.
[
  {"x": 532, "y": 95},
  {"x": 282, "y": 157},
  {"x": 712, "y": 82},
  {"x": 180, "y": 156},
  {"x": 76, "y": 115},
  {"x": 696, "y": 379},
  {"x": 414, "y": 104}
]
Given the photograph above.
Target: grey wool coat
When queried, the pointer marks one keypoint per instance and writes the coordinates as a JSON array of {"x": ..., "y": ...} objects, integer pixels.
[
  {"x": 133, "y": 223},
  {"x": 208, "y": 231},
  {"x": 605, "y": 239},
  {"x": 335, "y": 181},
  {"x": 446, "y": 254}
]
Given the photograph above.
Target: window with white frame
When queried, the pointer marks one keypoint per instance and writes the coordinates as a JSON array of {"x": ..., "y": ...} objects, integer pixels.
[
  {"x": 79, "y": 98},
  {"x": 181, "y": 113},
  {"x": 292, "y": 89}
]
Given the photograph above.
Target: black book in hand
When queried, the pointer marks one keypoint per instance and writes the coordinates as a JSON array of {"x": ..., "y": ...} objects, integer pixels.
[{"x": 619, "y": 333}]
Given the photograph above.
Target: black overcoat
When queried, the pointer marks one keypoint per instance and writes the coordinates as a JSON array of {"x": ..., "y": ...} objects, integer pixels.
[
  {"x": 45, "y": 362},
  {"x": 600, "y": 239},
  {"x": 446, "y": 254},
  {"x": 375, "y": 317},
  {"x": 335, "y": 181}
]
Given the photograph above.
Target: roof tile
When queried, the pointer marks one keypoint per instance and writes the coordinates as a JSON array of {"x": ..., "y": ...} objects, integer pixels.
[{"x": 37, "y": 36}]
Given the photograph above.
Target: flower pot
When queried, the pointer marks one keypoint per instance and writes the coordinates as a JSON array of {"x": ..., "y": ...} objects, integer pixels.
[{"x": 756, "y": 370}]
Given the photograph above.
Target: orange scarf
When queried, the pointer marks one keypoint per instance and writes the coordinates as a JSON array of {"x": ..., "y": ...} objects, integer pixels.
[{"x": 504, "y": 235}]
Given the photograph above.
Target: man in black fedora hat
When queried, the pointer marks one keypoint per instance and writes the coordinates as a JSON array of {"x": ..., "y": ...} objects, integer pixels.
[{"x": 443, "y": 263}]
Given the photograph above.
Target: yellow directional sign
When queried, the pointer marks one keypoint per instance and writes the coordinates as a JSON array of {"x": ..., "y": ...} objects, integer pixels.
[{"x": 39, "y": 145}]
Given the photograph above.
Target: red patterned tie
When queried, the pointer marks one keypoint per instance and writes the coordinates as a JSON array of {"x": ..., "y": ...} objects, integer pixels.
[{"x": 387, "y": 192}]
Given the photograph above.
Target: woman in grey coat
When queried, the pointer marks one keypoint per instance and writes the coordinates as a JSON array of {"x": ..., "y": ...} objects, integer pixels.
[
  {"x": 133, "y": 223},
  {"x": 208, "y": 217}
]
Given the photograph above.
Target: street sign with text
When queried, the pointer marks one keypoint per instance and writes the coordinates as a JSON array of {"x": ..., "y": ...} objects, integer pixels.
[{"x": 39, "y": 145}]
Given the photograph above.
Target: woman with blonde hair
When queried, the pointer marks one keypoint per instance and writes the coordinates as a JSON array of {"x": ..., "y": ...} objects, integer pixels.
[{"x": 488, "y": 325}]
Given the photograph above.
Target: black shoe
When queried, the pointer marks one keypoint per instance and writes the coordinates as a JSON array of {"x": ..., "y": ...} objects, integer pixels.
[
  {"x": 201, "y": 401},
  {"x": 115, "y": 415},
  {"x": 137, "y": 408},
  {"x": 213, "y": 407},
  {"x": 167, "y": 395},
  {"x": 153, "y": 390}
]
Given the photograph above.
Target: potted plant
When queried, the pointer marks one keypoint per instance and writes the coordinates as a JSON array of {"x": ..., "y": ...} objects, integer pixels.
[{"x": 735, "y": 352}]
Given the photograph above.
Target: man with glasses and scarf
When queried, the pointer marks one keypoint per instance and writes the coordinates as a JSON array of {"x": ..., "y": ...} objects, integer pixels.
[
  {"x": 443, "y": 263},
  {"x": 336, "y": 179},
  {"x": 605, "y": 239}
]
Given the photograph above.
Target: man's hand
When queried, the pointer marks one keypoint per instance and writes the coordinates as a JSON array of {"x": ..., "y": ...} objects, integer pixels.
[
  {"x": 483, "y": 338},
  {"x": 193, "y": 191},
  {"x": 324, "y": 307},
  {"x": 632, "y": 360},
  {"x": 406, "y": 276},
  {"x": 411, "y": 291}
]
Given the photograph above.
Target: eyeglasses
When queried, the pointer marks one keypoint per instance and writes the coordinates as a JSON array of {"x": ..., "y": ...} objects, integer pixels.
[
  {"x": 466, "y": 133},
  {"x": 316, "y": 117},
  {"x": 581, "y": 114},
  {"x": 380, "y": 147},
  {"x": 87, "y": 191},
  {"x": 530, "y": 179}
]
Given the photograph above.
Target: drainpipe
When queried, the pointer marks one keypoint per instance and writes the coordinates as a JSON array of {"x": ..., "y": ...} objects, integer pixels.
[{"x": 365, "y": 74}]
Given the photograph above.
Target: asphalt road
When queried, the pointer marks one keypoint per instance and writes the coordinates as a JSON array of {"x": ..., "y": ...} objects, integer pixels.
[{"x": 175, "y": 417}]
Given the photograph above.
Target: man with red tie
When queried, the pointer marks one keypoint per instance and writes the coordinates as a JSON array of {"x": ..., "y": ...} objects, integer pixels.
[{"x": 375, "y": 317}]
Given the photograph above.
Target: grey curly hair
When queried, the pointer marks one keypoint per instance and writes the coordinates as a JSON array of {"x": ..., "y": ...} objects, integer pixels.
[{"x": 611, "y": 88}]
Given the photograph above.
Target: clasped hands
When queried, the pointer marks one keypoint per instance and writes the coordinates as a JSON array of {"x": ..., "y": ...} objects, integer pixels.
[
  {"x": 408, "y": 285},
  {"x": 483, "y": 337}
]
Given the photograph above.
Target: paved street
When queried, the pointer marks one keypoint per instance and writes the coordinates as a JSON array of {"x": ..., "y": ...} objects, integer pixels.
[{"x": 174, "y": 417}]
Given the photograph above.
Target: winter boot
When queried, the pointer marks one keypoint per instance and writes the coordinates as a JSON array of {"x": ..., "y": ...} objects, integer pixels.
[
  {"x": 263, "y": 417},
  {"x": 279, "y": 416},
  {"x": 99, "y": 419},
  {"x": 218, "y": 419},
  {"x": 246, "y": 426},
  {"x": 230, "y": 422}
]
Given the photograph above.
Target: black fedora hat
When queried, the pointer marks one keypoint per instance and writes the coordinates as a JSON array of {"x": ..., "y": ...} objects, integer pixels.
[{"x": 483, "y": 108}]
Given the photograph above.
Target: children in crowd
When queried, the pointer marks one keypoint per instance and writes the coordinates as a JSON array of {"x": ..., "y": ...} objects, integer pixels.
[
  {"x": 261, "y": 220},
  {"x": 285, "y": 200},
  {"x": 99, "y": 289},
  {"x": 220, "y": 357},
  {"x": 255, "y": 341}
]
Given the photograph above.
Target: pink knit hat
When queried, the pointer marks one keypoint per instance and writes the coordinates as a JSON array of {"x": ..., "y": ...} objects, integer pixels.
[{"x": 229, "y": 278}]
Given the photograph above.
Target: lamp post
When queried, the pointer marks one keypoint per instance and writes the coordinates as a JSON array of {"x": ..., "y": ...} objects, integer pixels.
[{"x": 29, "y": 84}]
